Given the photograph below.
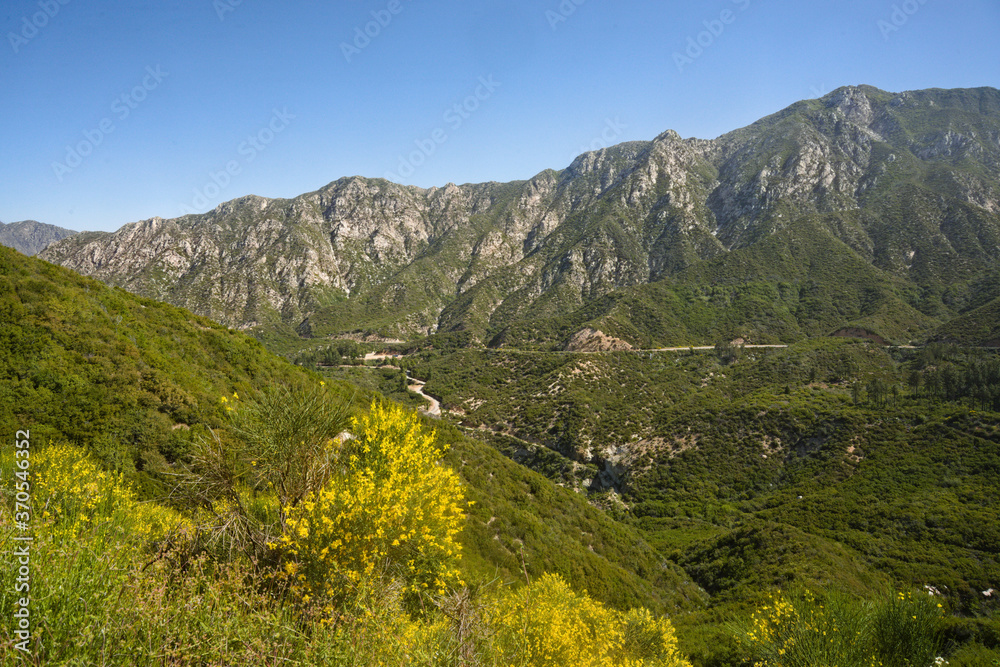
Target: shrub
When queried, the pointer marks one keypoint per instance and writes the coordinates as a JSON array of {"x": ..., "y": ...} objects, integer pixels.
[
  {"x": 279, "y": 449},
  {"x": 389, "y": 510},
  {"x": 800, "y": 630},
  {"x": 76, "y": 496},
  {"x": 548, "y": 624}
]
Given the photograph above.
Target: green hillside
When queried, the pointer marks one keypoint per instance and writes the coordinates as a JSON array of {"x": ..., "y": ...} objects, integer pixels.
[
  {"x": 801, "y": 281},
  {"x": 836, "y": 464},
  {"x": 689, "y": 483},
  {"x": 136, "y": 382},
  {"x": 864, "y": 210}
]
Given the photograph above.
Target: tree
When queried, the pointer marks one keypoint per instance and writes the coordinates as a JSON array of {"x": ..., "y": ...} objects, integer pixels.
[
  {"x": 877, "y": 391},
  {"x": 279, "y": 447},
  {"x": 727, "y": 352}
]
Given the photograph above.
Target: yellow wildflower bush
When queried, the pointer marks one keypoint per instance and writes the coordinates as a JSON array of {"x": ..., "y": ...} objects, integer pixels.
[
  {"x": 389, "y": 509},
  {"x": 71, "y": 494},
  {"x": 547, "y": 624}
]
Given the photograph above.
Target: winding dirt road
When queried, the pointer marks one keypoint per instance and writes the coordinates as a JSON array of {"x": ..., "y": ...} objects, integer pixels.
[{"x": 417, "y": 387}]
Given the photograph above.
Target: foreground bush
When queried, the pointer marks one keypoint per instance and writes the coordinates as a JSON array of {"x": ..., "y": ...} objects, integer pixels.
[
  {"x": 109, "y": 588},
  {"x": 278, "y": 448},
  {"x": 74, "y": 496},
  {"x": 389, "y": 511},
  {"x": 547, "y": 624}
]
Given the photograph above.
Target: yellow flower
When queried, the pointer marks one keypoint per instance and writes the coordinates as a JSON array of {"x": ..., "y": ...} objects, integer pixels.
[{"x": 392, "y": 491}]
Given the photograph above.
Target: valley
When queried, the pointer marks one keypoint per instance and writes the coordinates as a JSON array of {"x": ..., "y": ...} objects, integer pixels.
[{"x": 833, "y": 463}]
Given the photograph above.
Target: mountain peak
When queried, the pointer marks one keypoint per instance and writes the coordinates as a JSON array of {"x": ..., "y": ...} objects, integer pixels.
[{"x": 30, "y": 236}]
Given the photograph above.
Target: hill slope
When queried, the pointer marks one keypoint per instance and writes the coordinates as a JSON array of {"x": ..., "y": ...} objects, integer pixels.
[{"x": 133, "y": 380}]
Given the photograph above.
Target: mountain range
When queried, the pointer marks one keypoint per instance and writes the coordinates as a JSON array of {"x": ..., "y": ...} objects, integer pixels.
[{"x": 862, "y": 211}]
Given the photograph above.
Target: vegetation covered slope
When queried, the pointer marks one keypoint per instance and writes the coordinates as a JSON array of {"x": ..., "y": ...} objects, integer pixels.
[
  {"x": 834, "y": 463},
  {"x": 137, "y": 382}
]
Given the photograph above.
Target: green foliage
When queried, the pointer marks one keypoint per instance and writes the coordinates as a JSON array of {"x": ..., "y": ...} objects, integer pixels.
[
  {"x": 118, "y": 585},
  {"x": 801, "y": 630},
  {"x": 129, "y": 376},
  {"x": 70, "y": 370},
  {"x": 738, "y": 563},
  {"x": 728, "y": 477},
  {"x": 766, "y": 471},
  {"x": 280, "y": 447},
  {"x": 521, "y": 522},
  {"x": 284, "y": 439}
]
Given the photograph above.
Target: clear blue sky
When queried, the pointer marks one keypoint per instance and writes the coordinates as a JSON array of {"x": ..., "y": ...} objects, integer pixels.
[{"x": 116, "y": 111}]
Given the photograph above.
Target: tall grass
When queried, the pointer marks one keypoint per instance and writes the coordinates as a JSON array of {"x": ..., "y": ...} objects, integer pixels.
[{"x": 805, "y": 630}]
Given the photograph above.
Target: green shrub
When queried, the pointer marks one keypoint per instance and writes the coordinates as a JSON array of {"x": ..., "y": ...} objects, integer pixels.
[{"x": 803, "y": 630}]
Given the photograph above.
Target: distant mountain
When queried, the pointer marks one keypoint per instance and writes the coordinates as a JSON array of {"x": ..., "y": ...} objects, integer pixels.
[
  {"x": 862, "y": 210},
  {"x": 30, "y": 236}
]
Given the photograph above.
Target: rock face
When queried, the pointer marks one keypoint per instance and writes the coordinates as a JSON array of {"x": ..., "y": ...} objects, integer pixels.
[
  {"x": 589, "y": 340},
  {"x": 909, "y": 182},
  {"x": 30, "y": 237}
]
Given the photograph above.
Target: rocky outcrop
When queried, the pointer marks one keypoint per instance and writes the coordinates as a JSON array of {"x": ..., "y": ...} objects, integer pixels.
[{"x": 590, "y": 340}]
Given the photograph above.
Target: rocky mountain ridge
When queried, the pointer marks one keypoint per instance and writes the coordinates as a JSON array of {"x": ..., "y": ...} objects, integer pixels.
[{"x": 906, "y": 186}]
